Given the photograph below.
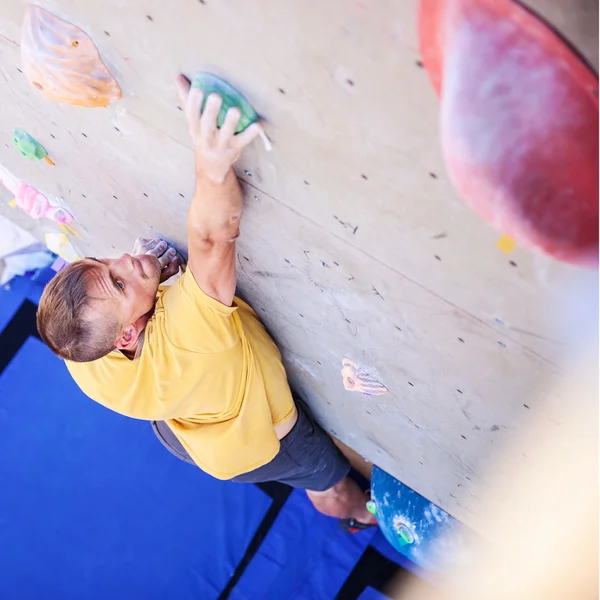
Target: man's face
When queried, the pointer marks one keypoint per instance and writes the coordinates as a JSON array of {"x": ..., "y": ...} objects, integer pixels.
[{"x": 125, "y": 287}]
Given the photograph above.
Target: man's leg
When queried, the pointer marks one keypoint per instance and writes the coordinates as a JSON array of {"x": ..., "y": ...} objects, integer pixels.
[{"x": 345, "y": 500}]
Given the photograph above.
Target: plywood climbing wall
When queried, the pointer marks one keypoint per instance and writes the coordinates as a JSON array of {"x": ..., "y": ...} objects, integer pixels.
[{"x": 354, "y": 244}]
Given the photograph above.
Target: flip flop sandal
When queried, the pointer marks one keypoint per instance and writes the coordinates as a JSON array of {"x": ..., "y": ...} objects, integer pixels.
[{"x": 354, "y": 526}]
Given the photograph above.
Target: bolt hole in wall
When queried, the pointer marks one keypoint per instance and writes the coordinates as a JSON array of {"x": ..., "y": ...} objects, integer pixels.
[
  {"x": 433, "y": 176},
  {"x": 281, "y": 91},
  {"x": 365, "y": 177}
]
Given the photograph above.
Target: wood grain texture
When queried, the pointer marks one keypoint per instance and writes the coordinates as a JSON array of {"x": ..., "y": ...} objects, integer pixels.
[{"x": 353, "y": 242}]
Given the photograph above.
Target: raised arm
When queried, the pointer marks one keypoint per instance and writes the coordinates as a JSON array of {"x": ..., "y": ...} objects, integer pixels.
[{"x": 216, "y": 209}]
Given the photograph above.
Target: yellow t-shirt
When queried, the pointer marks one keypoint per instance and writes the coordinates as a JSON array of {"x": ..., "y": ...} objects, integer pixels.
[{"x": 210, "y": 371}]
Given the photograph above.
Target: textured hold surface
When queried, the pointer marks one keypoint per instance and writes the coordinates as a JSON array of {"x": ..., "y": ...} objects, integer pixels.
[
  {"x": 354, "y": 243},
  {"x": 211, "y": 84},
  {"x": 519, "y": 122},
  {"x": 63, "y": 63},
  {"x": 356, "y": 379},
  {"x": 28, "y": 146},
  {"x": 32, "y": 201}
]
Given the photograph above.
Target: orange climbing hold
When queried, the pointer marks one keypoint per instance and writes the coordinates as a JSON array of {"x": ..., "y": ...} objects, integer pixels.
[{"x": 62, "y": 62}]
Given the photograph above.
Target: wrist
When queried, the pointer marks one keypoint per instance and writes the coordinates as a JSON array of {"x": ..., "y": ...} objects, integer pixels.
[{"x": 211, "y": 175}]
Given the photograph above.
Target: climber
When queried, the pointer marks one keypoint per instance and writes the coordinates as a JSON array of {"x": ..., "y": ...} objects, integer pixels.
[{"x": 191, "y": 357}]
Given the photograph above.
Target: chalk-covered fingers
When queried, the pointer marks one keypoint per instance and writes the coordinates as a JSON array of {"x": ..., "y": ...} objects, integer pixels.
[
  {"x": 244, "y": 138},
  {"x": 227, "y": 130}
]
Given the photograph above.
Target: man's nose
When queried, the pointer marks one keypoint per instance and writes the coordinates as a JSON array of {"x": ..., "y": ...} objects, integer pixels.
[{"x": 124, "y": 261}]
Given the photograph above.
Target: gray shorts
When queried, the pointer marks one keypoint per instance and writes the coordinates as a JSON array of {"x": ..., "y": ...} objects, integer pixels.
[{"x": 307, "y": 456}]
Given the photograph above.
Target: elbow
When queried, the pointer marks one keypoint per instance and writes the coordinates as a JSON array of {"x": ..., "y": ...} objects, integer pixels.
[{"x": 211, "y": 236}]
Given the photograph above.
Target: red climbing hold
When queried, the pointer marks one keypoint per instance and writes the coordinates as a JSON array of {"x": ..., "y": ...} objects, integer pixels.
[{"x": 519, "y": 122}]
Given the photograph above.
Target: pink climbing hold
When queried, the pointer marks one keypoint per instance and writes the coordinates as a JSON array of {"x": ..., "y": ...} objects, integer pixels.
[{"x": 37, "y": 205}]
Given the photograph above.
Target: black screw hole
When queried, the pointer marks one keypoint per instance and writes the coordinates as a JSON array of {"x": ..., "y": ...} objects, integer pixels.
[
  {"x": 145, "y": 194},
  {"x": 411, "y": 384},
  {"x": 461, "y": 340},
  {"x": 202, "y": 1},
  {"x": 181, "y": 195},
  {"x": 115, "y": 197},
  {"x": 512, "y": 263},
  {"x": 52, "y": 136},
  {"x": 433, "y": 175},
  {"x": 365, "y": 177},
  {"x": 301, "y": 315},
  {"x": 281, "y": 91},
  {"x": 525, "y": 405},
  {"x": 106, "y": 33},
  {"x": 462, "y": 436},
  {"x": 179, "y": 108},
  {"x": 306, "y": 182},
  {"x": 348, "y": 320},
  {"x": 437, "y": 257},
  {"x": 117, "y": 129},
  {"x": 149, "y": 18},
  {"x": 319, "y": 362},
  {"x": 350, "y": 82},
  {"x": 19, "y": 70},
  {"x": 419, "y": 64},
  {"x": 459, "y": 391},
  {"x": 83, "y": 196},
  {"x": 83, "y": 134}
]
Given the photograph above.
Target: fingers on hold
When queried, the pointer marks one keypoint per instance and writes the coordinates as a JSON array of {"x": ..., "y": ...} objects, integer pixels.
[
  {"x": 245, "y": 137},
  {"x": 230, "y": 123},
  {"x": 194, "y": 103},
  {"x": 183, "y": 87},
  {"x": 211, "y": 111}
]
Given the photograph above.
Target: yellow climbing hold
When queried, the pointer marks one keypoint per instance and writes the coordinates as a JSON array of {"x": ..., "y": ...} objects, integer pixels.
[{"x": 506, "y": 244}]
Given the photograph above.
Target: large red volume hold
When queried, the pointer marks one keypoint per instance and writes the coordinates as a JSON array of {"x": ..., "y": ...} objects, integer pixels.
[{"x": 519, "y": 122}]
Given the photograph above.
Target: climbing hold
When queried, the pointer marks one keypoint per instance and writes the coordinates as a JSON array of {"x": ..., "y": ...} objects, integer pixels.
[
  {"x": 62, "y": 62},
  {"x": 59, "y": 244},
  {"x": 211, "y": 84},
  {"x": 405, "y": 534},
  {"x": 519, "y": 122},
  {"x": 506, "y": 244},
  {"x": 356, "y": 379},
  {"x": 372, "y": 507},
  {"x": 29, "y": 147},
  {"x": 36, "y": 204}
]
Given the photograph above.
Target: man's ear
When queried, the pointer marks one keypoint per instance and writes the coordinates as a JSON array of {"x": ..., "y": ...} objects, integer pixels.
[{"x": 128, "y": 338}]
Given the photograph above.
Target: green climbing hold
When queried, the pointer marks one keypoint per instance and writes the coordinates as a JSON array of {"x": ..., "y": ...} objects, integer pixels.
[
  {"x": 28, "y": 146},
  {"x": 405, "y": 534},
  {"x": 372, "y": 507},
  {"x": 211, "y": 84}
]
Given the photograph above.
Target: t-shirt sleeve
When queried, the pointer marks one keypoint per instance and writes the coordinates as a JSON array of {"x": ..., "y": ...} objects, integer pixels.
[{"x": 194, "y": 321}]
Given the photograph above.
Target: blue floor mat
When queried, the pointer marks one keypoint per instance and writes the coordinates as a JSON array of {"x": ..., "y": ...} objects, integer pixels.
[{"x": 93, "y": 507}]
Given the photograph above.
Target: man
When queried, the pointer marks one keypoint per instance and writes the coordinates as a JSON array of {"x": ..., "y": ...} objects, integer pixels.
[{"x": 193, "y": 357}]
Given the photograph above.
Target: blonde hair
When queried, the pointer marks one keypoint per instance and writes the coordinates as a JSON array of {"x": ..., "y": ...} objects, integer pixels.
[{"x": 62, "y": 318}]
